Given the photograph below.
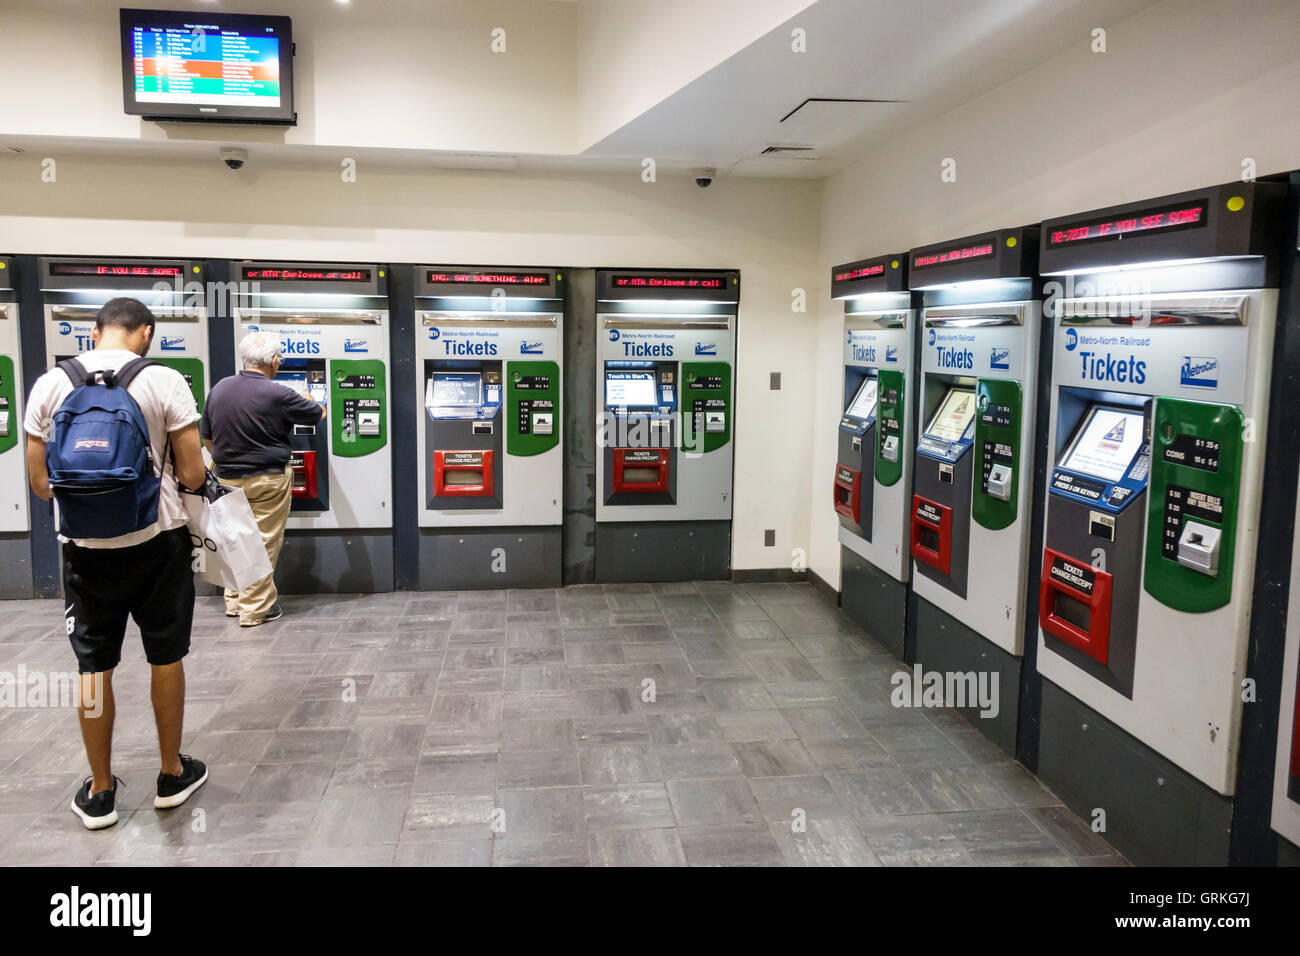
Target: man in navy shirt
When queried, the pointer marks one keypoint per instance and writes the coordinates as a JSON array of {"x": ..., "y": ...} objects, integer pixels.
[{"x": 247, "y": 426}]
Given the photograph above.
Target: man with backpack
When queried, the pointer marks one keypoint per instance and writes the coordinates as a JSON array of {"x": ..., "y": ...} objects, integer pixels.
[{"x": 109, "y": 435}]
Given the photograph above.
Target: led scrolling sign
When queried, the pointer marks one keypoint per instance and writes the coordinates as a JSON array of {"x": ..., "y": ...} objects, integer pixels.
[{"x": 1186, "y": 215}]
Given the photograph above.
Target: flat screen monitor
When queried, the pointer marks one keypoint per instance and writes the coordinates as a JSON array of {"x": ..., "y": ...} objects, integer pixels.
[
  {"x": 296, "y": 381},
  {"x": 864, "y": 403},
  {"x": 630, "y": 389},
  {"x": 1104, "y": 445},
  {"x": 457, "y": 389},
  {"x": 954, "y": 416},
  {"x": 206, "y": 65}
]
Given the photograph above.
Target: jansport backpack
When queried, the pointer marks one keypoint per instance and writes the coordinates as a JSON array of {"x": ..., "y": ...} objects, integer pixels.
[{"x": 99, "y": 458}]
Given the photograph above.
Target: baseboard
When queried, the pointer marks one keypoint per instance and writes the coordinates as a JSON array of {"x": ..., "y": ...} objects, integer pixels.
[{"x": 767, "y": 575}]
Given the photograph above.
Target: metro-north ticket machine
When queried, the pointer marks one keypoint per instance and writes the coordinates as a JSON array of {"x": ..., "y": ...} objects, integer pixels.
[
  {"x": 1286, "y": 770},
  {"x": 873, "y": 471},
  {"x": 489, "y": 358},
  {"x": 1163, "y": 325},
  {"x": 970, "y": 512},
  {"x": 332, "y": 322},
  {"x": 665, "y": 391},
  {"x": 15, "y": 527}
]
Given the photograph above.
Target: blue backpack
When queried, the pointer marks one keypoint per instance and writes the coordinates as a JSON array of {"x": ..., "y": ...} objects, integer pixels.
[{"x": 100, "y": 459}]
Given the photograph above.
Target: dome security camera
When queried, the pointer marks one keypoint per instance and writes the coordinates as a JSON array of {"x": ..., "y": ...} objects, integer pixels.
[
  {"x": 234, "y": 157},
  {"x": 704, "y": 177}
]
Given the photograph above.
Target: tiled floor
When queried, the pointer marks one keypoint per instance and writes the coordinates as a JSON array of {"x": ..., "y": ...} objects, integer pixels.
[{"x": 516, "y": 728}]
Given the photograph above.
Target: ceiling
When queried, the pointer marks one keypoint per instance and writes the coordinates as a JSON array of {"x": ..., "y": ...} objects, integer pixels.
[{"x": 871, "y": 70}]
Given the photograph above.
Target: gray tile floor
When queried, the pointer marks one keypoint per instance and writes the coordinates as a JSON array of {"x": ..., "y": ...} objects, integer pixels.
[{"x": 515, "y": 727}]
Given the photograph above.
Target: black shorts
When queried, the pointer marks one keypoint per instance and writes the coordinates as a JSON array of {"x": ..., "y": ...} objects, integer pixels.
[{"x": 153, "y": 582}]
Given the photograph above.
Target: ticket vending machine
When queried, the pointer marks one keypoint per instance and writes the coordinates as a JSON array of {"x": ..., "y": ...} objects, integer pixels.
[
  {"x": 332, "y": 322},
  {"x": 970, "y": 511},
  {"x": 873, "y": 471},
  {"x": 489, "y": 358},
  {"x": 1163, "y": 316},
  {"x": 15, "y": 527},
  {"x": 173, "y": 289},
  {"x": 665, "y": 391}
]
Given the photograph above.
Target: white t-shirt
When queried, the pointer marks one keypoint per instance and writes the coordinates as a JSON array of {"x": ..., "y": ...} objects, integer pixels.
[{"x": 167, "y": 404}]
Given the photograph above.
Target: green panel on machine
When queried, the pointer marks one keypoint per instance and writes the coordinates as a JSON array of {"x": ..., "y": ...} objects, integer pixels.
[
  {"x": 9, "y": 403},
  {"x": 891, "y": 405},
  {"x": 997, "y": 452},
  {"x": 192, "y": 369},
  {"x": 1192, "y": 503},
  {"x": 706, "y": 395},
  {"x": 358, "y": 416},
  {"x": 532, "y": 407}
]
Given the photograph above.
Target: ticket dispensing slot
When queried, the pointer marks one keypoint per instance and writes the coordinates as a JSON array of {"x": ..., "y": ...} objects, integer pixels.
[
  {"x": 943, "y": 475},
  {"x": 932, "y": 534},
  {"x": 462, "y": 474},
  {"x": 641, "y": 470},
  {"x": 303, "y": 465},
  {"x": 1074, "y": 604},
  {"x": 848, "y": 492}
]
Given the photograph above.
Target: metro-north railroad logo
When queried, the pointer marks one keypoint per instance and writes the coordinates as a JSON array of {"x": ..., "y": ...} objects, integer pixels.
[
  {"x": 1071, "y": 340},
  {"x": 1199, "y": 371},
  {"x": 613, "y": 335},
  {"x": 65, "y": 328},
  {"x": 434, "y": 333},
  {"x": 932, "y": 336}
]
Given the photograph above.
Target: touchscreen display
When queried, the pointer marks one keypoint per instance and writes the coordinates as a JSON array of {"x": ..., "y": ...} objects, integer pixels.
[
  {"x": 630, "y": 389},
  {"x": 954, "y": 415},
  {"x": 456, "y": 390},
  {"x": 864, "y": 403},
  {"x": 1106, "y": 443}
]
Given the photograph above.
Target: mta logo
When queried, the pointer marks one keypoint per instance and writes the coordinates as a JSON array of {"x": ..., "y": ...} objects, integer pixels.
[
  {"x": 1071, "y": 340},
  {"x": 433, "y": 332},
  {"x": 702, "y": 348},
  {"x": 613, "y": 335},
  {"x": 1199, "y": 371},
  {"x": 65, "y": 328},
  {"x": 932, "y": 336}
]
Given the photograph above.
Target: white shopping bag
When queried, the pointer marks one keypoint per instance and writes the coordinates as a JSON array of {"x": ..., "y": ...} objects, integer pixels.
[{"x": 228, "y": 548}]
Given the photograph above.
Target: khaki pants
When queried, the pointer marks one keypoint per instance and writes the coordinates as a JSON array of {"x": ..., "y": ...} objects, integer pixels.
[{"x": 269, "y": 496}]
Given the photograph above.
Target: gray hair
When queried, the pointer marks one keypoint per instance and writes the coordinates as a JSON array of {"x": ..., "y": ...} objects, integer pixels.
[{"x": 259, "y": 350}]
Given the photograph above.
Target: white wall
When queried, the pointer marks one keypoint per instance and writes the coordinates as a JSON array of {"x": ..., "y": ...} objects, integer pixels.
[
  {"x": 1186, "y": 90},
  {"x": 767, "y": 229},
  {"x": 413, "y": 74},
  {"x": 634, "y": 53}
]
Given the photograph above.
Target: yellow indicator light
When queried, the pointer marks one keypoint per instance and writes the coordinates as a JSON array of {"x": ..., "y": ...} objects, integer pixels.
[
  {"x": 1236, "y": 204},
  {"x": 194, "y": 269},
  {"x": 1011, "y": 241},
  {"x": 381, "y": 273},
  {"x": 894, "y": 264}
]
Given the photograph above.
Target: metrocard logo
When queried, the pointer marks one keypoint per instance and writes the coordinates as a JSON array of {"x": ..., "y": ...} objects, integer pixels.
[
  {"x": 1199, "y": 371},
  {"x": 172, "y": 343},
  {"x": 1000, "y": 358},
  {"x": 530, "y": 348},
  {"x": 891, "y": 353},
  {"x": 705, "y": 348},
  {"x": 355, "y": 345}
]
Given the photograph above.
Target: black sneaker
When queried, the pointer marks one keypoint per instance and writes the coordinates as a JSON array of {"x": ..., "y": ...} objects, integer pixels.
[
  {"x": 99, "y": 810},
  {"x": 274, "y": 614},
  {"x": 175, "y": 789}
]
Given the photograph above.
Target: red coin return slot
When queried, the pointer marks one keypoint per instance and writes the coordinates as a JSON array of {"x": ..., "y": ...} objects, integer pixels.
[
  {"x": 462, "y": 474},
  {"x": 932, "y": 534},
  {"x": 1074, "y": 604},
  {"x": 303, "y": 480},
  {"x": 640, "y": 470},
  {"x": 848, "y": 492}
]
